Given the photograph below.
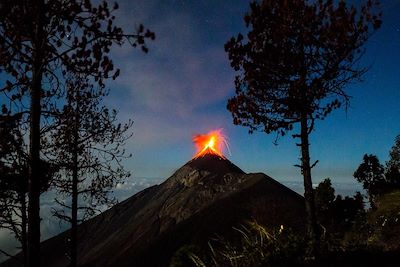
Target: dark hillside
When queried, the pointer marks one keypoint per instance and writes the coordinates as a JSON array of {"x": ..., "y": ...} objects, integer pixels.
[{"x": 207, "y": 195}]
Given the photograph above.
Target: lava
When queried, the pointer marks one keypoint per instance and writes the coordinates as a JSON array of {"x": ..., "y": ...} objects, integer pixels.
[{"x": 210, "y": 143}]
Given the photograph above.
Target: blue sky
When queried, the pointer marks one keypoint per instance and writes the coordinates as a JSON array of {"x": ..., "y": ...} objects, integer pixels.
[{"x": 181, "y": 88}]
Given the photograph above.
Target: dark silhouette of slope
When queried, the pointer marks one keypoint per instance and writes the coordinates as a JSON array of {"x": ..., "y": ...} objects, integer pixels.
[
  {"x": 207, "y": 195},
  {"x": 260, "y": 199},
  {"x": 214, "y": 164}
]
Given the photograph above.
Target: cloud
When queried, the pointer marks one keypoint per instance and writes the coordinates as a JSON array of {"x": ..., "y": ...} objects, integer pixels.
[
  {"x": 167, "y": 91},
  {"x": 180, "y": 73}
]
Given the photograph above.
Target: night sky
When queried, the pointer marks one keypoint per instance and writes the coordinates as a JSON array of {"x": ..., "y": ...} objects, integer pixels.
[{"x": 180, "y": 88}]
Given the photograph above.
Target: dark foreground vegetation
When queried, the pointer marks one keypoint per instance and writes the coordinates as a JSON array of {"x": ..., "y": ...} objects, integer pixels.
[
  {"x": 352, "y": 236},
  {"x": 354, "y": 231}
]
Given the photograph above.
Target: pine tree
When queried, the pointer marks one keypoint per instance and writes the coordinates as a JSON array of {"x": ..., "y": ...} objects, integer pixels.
[
  {"x": 294, "y": 64},
  {"x": 371, "y": 174},
  {"x": 89, "y": 149},
  {"x": 40, "y": 42}
]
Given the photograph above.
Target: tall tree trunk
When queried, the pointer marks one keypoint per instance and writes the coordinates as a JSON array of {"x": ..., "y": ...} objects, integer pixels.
[
  {"x": 34, "y": 177},
  {"x": 34, "y": 140},
  {"x": 74, "y": 206},
  {"x": 312, "y": 227},
  {"x": 23, "y": 228}
]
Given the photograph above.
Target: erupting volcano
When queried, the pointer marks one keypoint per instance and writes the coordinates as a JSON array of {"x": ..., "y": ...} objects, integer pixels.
[
  {"x": 207, "y": 196},
  {"x": 210, "y": 143}
]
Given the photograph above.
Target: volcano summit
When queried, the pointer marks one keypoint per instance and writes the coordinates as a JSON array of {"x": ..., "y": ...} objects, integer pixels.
[{"x": 206, "y": 196}]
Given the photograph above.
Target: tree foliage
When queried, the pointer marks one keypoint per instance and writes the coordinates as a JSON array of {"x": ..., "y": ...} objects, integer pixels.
[
  {"x": 89, "y": 129},
  {"x": 77, "y": 37},
  {"x": 89, "y": 149},
  {"x": 294, "y": 65},
  {"x": 338, "y": 216},
  {"x": 371, "y": 174},
  {"x": 378, "y": 179},
  {"x": 394, "y": 154},
  {"x": 297, "y": 58},
  {"x": 392, "y": 171},
  {"x": 41, "y": 42},
  {"x": 324, "y": 195}
]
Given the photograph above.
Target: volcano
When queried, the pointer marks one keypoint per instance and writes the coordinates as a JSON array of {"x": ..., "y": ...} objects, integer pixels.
[{"x": 206, "y": 196}]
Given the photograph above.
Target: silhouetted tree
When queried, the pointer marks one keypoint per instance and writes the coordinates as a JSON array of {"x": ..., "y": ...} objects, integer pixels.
[
  {"x": 337, "y": 215},
  {"x": 392, "y": 176},
  {"x": 88, "y": 145},
  {"x": 392, "y": 172},
  {"x": 371, "y": 174},
  {"x": 394, "y": 154},
  {"x": 14, "y": 179},
  {"x": 40, "y": 41},
  {"x": 294, "y": 64},
  {"x": 324, "y": 196}
]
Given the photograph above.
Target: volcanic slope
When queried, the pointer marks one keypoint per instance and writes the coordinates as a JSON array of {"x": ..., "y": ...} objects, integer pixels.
[{"x": 207, "y": 195}]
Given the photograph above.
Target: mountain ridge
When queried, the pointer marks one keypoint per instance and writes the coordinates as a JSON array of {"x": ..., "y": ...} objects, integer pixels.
[{"x": 205, "y": 196}]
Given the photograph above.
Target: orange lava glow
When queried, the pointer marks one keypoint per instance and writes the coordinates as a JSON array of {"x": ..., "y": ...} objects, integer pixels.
[{"x": 210, "y": 143}]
